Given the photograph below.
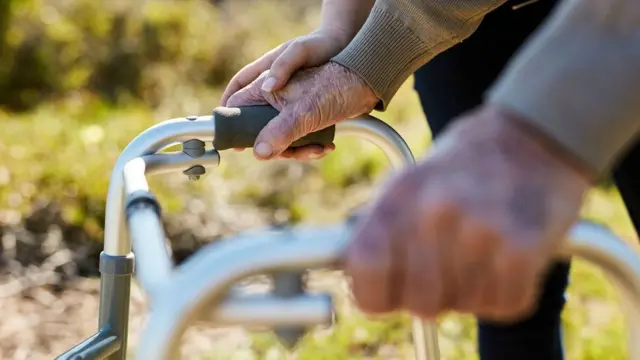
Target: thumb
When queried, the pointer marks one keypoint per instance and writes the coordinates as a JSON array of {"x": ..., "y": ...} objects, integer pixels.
[{"x": 281, "y": 132}]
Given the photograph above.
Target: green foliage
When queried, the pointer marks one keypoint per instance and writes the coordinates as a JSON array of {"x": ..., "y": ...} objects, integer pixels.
[
  {"x": 80, "y": 78},
  {"x": 141, "y": 50}
]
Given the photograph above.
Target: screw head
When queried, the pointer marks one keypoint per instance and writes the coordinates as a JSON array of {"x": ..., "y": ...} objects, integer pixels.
[{"x": 194, "y": 172}]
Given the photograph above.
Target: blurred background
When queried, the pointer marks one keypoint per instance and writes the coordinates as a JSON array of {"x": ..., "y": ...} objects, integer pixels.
[{"x": 80, "y": 78}]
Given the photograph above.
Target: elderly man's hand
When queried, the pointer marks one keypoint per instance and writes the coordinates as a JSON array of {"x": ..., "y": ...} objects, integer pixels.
[
  {"x": 472, "y": 228},
  {"x": 312, "y": 100}
]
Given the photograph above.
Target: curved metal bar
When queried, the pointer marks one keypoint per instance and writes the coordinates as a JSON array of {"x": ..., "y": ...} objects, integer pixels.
[
  {"x": 365, "y": 127},
  {"x": 148, "y": 142},
  {"x": 382, "y": 135},
  {"x": 153, "y": 261},
  {"x": 217, "y": 266},
  {"x": 620, "y": 264},
  {"x": 176, "y": 130},
  {"x": 379, "y": 133}
]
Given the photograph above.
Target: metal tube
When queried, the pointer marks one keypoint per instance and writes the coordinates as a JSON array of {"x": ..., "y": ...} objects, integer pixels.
[
  {"x": 178, "y": 161},
  {"x": 621, "y": 265},
  {"x": 115, "y": 297},
  {"x": 96, "y": 347},
  {"x": 148, "y": 142},
  {"x": 153, "y": 262},
  {"x": 154, "y": 266},
  {"x": 163, "y": 134},
  {"x": 425, "y": 333},
  {"x": 269, "y": 311},
  {"x": 380, "y": 134},
  {"x": 210, "y": 274},
  {"x": 202, "y": 280}
]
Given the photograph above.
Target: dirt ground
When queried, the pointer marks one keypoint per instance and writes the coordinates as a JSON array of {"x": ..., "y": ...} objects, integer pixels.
[
  {"x": 39, "y": 324},
  {"x": 49, "y": 286}
]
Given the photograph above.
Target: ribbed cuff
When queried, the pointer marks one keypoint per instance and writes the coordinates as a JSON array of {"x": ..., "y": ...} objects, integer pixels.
[{"x": 384, "y": 53}]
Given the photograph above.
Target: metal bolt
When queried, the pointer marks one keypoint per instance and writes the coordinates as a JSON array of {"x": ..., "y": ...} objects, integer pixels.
[
  {"x": 286, "y": 285},
  {"x": 194, "y": 148},
  {"x": 194, "y": 172}
]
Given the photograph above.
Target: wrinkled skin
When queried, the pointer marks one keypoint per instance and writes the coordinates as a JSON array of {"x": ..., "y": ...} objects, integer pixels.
[
  {"x": 306, "y": 51},
  {"x": 472, "y": 228},
  {"x": 314, "y": 99},
  {"x": 276, "y": 67}
]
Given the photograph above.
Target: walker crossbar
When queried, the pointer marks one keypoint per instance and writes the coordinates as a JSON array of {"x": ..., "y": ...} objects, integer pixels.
[{"x": 201, "y": 288}]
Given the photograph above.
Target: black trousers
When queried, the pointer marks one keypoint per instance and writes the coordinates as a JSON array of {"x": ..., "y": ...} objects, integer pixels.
[{"x": 453, "y": 83}]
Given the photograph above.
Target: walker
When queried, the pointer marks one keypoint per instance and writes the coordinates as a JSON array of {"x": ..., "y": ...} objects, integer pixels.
[{"x": 200, "y": 288}]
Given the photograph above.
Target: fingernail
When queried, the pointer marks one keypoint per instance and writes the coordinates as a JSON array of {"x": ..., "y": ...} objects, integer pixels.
[
  {"x": 268, "y": 84},
  {"x": 263, "y": 150}
]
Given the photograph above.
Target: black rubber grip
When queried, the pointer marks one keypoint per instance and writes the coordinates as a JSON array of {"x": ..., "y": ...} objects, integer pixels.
[{"x": 238, "y": 127}]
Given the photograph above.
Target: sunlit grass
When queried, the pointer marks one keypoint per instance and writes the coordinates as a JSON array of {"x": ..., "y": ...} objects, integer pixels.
[{"x": 63, "y": 151}]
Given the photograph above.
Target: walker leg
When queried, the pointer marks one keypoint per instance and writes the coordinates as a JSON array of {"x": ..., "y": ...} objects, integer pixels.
[
  {"x": 115, "y": 296},
  {"x": 425, "y": 340}
]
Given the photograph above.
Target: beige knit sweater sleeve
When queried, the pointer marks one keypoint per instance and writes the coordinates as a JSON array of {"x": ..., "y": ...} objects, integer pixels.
[{"x": 577, "y": 79}]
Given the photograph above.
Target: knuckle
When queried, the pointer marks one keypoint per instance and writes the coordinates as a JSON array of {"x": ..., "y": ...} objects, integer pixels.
[
  {"x": 284, "y": 129},
  {"x": 478, "y": 238},
  {"x": 299, "y": 46}
]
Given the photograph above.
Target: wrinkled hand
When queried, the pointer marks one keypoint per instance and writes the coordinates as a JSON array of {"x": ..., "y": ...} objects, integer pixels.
[
  {"x": 471, "y": 229},
  {"x": 312, "y": 100},
  {"x": 279, "y": 64},
  {"x": 306, "y": 51}
]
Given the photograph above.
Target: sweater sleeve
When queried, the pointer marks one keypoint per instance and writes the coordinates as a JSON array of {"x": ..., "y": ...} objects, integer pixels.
[{"x": 577, "y": 79}]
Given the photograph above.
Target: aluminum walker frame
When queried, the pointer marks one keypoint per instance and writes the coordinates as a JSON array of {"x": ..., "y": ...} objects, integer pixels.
[{"x": 200, "y": 288}]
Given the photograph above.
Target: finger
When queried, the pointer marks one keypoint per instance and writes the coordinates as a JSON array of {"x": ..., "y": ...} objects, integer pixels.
[
  {"x": 292, "y": 123},
  {"x": 294, "y": 57},
  {"x": 368, "y": 263},
  {"x": 294, "y": 153},
  {"x": 517, "y": 276},
  {"x": 239, "y": 149},
  {"x": 251, "y": 72},
  {"x": 474, "y": 267},
  {"x": 311, "y": 152},
  {"x": 288, "y": 154},
  {"x": 424, "y": 288},
  {"x": 247, "y": 96},
  {"x": 375, "y": 258},
  {"x": 307, "y": 152}
]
